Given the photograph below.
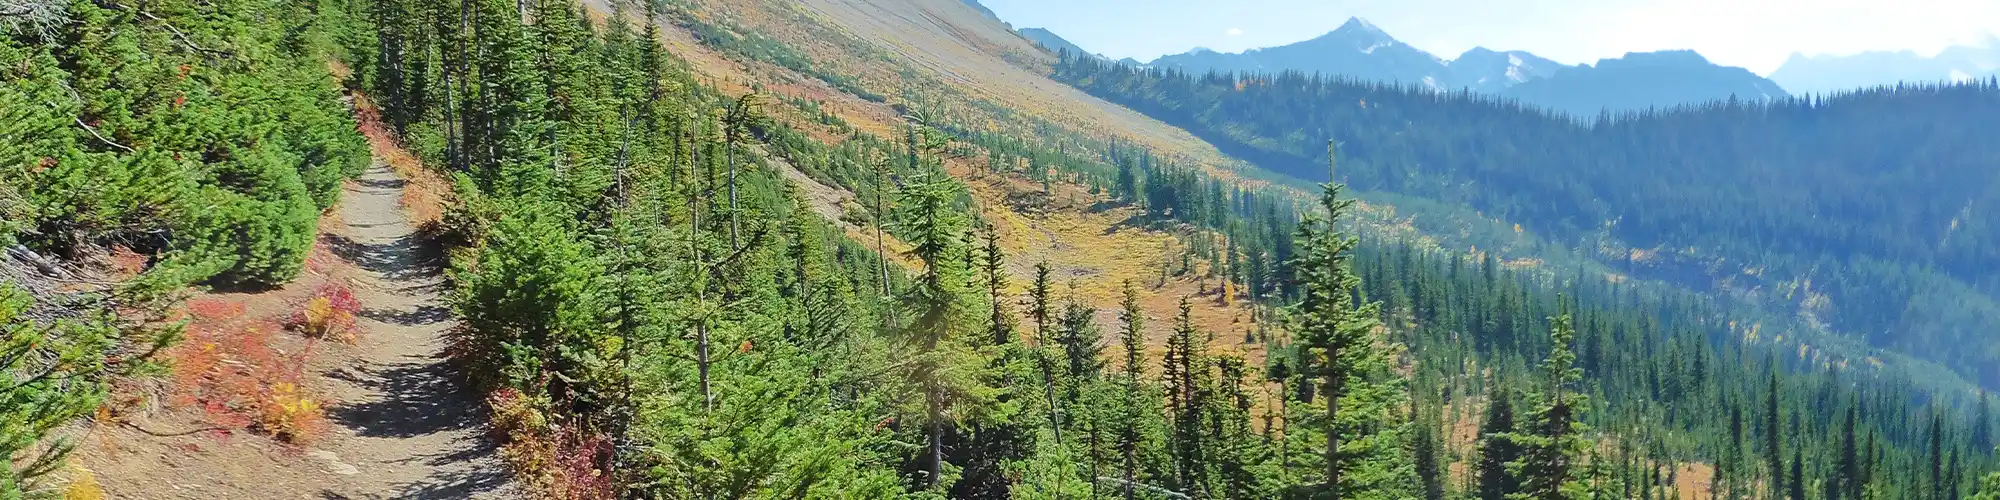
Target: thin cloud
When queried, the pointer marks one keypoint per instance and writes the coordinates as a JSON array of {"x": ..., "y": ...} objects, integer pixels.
[{"x": 1234, "y": 32}]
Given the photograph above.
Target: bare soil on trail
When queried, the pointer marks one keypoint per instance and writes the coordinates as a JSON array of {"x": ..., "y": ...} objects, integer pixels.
[{"x": 401, "y": 424}]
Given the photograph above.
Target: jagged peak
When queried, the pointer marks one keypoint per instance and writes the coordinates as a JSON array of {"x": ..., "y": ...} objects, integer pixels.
[
  {"x": 1359, "y": 25},
  {"x": 1477, "y": 51}
]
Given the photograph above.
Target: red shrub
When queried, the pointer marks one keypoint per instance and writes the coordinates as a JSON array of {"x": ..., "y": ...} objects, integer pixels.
[
  {"x": 213, "y": 311},
  {"x": 330, "y": 313},
  {"x": 554, "y": 461},
  {"x": 239, "y": 382}
]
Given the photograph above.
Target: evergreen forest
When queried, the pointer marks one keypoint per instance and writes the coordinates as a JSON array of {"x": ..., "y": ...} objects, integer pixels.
[
  {"x": 646, "y": 295},
  {"x": 1863, "y": 210}
]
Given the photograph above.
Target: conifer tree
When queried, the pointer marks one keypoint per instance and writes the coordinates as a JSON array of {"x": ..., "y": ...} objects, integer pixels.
[
  {"x": 1954, "y": 476},
  {"x": 1041, "y": 309},
  {"x": 1132, "y": 339},
  {"x": 936, "y": 240},
  {"x": 994, "y": 264},
  {"x": 1337, "y": 343},
  {"x": 736, "y": 125},
  {"x": 1081, "y": 342},
  {"x": 1237, "y": 453},
  {"x": 1730, "y": 474},
  {"x": 1774, "y": 462},
  {"x": 1427, "y": 449},
  {"x": 1936, "y": 455},
  {"x": 1496, "y": 481},
  {"x": 1184, "y": 373},
  {"x": 1552, "y": 444},
  {"x": 1040, "y": 301},
  {"x": 1982, "y": 424},
  {"x": 1797, "y": 483},
  {"x": 1847, "y": 482},
  {"x": 1131, "y": 333}
]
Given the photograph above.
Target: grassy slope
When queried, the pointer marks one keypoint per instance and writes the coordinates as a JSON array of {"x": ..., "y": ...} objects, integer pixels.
[
  {"x": 1096, "y": 250},
  {"x": 989, "y": 77},
  {"x": 983, "y": 76}
]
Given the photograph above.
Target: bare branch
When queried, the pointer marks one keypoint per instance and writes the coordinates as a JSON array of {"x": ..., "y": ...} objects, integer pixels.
[
  {"x": 154, "y": 433},
  {"x": 37, "y": 17},
  {"x": 100, "y": 137},
  {"x": 178, "y": 34}
]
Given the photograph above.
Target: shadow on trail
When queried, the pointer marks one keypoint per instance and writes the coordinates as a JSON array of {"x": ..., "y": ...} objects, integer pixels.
[
  {"x": 418, "y": 399},
  {"x": 423, "y": 315},
  {"x": 393, "y": 260}
]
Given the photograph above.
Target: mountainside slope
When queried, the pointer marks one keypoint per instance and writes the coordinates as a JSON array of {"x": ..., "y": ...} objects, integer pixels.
[
  {"x": 1053, "y": 42},
  {"x": 1860, "y": 214},
  {"x": 1087, "y": 240},
  {"x": 960, "y": 47},
  {"x": 1487, "y": 71}
]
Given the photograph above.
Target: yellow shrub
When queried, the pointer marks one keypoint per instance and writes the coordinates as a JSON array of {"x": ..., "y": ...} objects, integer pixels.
[
  {"x": 290, "y": 415},
  {"x": 82, "y": 485}
]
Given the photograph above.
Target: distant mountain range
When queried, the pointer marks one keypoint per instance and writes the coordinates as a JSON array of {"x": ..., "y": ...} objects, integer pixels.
[
  {"x": 1642, "y": 80},
  {"x": 1360, "y": 50},
  {"x": 1824, "y": 73}
]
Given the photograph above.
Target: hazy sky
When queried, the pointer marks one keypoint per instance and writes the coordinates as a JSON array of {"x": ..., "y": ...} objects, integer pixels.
[{"x": 1755, "y": 34}]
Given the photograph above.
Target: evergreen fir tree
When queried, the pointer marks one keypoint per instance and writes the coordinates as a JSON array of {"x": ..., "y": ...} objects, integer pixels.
[
  {"x": 1185, "y": 373},
  {"x": 1982, "y": 424},
  {"x": 1339, "y": 349},
  {"x": 1797, "y": 482},
  {"x": 1847, "y": 482},
  {"x": 1774, "y": 463},
  {"x": 1496, "y": 481},
  {"x": 1937, "y": 461},
  {"x": 1131, "y": 337},
  {"x": 999, "y": 326},
  {"x": 1427, "y": 450},
  {"x": 937, "y": 237},
  {"x": 1552, "y": 445}
]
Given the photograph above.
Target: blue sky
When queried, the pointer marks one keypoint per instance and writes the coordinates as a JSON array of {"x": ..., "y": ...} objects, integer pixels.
[{"x": 1755, "y": 34}]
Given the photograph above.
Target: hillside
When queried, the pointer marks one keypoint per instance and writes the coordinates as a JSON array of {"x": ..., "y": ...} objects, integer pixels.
[
  {"x": 1055, "y": 43},
  {"x": 830, "y": 249},
  {"x": 1800, "y": 355},
  {"x": 1860, "y": 213}
]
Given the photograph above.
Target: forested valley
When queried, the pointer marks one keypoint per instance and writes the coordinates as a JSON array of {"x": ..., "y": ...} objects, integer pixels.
[
  {"x": 1865, "y": 211},
  {"x": 655, "y": 310}
]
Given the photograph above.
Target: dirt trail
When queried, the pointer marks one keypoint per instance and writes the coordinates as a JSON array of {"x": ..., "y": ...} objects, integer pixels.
[
  {"x": 401, "y": 424},
  {"x": 404, "y": 424}
]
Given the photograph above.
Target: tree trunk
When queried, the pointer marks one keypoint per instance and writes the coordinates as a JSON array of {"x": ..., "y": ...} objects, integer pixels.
[
  {"x": 934, "y": 430},
  {"x": 881, "y": 250},
  {"x": 1332, "y": 433},
  {"x": 732, "y": 191}
]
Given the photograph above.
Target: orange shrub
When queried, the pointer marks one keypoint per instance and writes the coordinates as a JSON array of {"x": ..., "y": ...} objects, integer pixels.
[
  {"x": 239, "y": 382},
  {"x": 551, "y": 461},
  {"x": 330, "y": 313},
  {"x": 208, "y": 311}
]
